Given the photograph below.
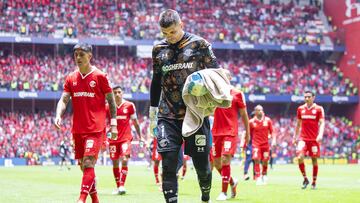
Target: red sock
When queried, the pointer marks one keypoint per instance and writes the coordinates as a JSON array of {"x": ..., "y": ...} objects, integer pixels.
[
  {"x": 302, "y": 169},
  {"x": 94, "y": 198},
  {"x": 87, "y": 181},
  {"x": 93, "y": 188},
  {"x": 315, "y": 172},
  {"x": 156, "y": 173},
  {"x": 257, "y": 170},
  {"x": 264, "y": 170},
  {"x": 124, "y": 171},
  {"x": 225, "y": 174},
  {"x": 184, "y": 170},
  {"x": 116, "y": 173}
]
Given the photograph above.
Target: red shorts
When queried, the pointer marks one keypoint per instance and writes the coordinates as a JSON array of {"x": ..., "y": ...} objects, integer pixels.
[
  {"x": 186, "y": 157},
  {"x": 155, "y": 156},
  {"x": 261, "y": 152},
  {"x": 224, "y": 145},
  {"x": 308, "y": 148},
  {"x": 119, "y": 149},
  {"x": 87, "y": 144}
]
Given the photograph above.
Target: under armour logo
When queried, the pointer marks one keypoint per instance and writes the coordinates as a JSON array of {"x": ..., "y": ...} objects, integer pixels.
[{"x": 350, "y": 6}]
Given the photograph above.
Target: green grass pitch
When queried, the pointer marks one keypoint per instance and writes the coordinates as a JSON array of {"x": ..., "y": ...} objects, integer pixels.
[{"x": 48, "y": 184}]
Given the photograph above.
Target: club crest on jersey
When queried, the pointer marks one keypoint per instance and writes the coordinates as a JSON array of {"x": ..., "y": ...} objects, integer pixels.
[
  {"x": 265, "y": 123},
  {"x": 125, "y": 111},
  {"x": 313, "y": 111},
  {"x": 74, "y": 83},
  {"x": 188, "y": 52},
  {"x": 92, "y": 83}
]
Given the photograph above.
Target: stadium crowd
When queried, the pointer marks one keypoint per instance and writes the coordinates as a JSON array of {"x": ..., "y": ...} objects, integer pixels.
[
  {"x": 254, "y": 72},
  {"x": 25, "y": 134},
  {"x": 275, "y": 23}
]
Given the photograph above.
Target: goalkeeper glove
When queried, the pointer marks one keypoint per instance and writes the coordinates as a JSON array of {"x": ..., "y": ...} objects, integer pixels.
[{"x": 153, "y": 113}]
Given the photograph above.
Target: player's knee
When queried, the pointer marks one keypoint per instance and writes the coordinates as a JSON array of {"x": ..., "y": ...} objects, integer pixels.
[
  {"x": 115, "y": 163},
  {"x": 225, "y": 160},
  {"x": 169, "y": 165},
  {"x": 124, "y": 162},
  {"x": 88, "y": 162}
]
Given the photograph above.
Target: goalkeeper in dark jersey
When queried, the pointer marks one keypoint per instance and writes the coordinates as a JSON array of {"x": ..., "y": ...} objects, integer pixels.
[{"x": 174, "y": 59}]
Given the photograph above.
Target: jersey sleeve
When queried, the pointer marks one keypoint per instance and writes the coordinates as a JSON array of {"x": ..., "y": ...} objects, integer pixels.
[
  {"x": 240, "y": 100},
  {"x": 298, "y": 114},
  {"x": 321, "y": 113},
  {"x": 104, "y": 84},
  {"x": 155, "y": 87},
  {"x": 270, "y": 126},
  {"x": 132, "y": 111},
  {"x": 67, "y": 87},
  {"x": 208, "y": 55}
]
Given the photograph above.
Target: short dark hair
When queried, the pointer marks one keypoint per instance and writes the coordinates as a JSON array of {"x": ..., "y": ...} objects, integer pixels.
[
  {"x": 83, "y": 46},
  {"x": 310, "y": 92},
  {"x": 168, "y": 18},
  {"x": 117, "y": 87}
]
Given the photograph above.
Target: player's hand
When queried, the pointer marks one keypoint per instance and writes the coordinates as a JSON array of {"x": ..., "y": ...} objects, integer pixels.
[
  {"x": 294, "y": 141},
  {"x": 114, "y": 132},
  {"x": 273, "y": 144},
  {"x": 57, "y": 122},
  {"x": 318, "y": 138}
]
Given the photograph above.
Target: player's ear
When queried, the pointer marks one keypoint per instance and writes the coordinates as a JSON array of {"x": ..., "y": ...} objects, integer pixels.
[
  {"x": 90, "y": 56},
  {"x": 181, "y": 25}
]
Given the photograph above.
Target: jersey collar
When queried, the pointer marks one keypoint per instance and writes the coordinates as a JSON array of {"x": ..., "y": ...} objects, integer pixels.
[{"x": 84, "y": 76}]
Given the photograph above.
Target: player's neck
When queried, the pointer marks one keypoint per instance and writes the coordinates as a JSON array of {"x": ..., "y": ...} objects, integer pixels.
[
  {"x": 182, "y": 35},
  {"x": 85, "y": 69},
  {"x": 118, "y": 102},
  {"x": 309, "y": 105}
]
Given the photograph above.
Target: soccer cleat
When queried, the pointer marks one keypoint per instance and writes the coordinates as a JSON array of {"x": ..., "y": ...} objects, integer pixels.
[
  {"x": 246, "y": 177},
  {"x": 259, "y": 181},
  {"x": 122, "y": 190},
  {"x": 313, "y": 186},
  {"x": 305, "y": 184},
  {"x": 205, "y": 199},
  {"x": 116, "y": 191},
  {"x": 233, "y": 188},
  {"x": 265, "y": 179},
  {"x": 222, "y": 197}
]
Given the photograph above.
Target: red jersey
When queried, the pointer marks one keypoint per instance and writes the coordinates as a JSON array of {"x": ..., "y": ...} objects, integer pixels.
[
  {"x": 310, "y": 121},
  {"x": 226, "y": 119},
  {"x": 88, "y": 100},
  {"x": 124, "y": 112},
  {"x": 260, "y": 130}
]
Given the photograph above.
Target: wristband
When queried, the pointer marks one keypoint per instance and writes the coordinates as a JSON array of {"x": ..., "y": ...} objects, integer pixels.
[{"x": 113, "y": 122}]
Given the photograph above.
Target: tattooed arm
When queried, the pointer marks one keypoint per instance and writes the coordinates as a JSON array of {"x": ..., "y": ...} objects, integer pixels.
[
  {"x": 60, "y": 108},
  {"x": 112, "y": 107}
]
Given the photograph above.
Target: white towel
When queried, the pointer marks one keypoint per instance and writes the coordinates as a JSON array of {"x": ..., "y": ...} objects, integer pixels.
[{"x": 198, "y": 107}]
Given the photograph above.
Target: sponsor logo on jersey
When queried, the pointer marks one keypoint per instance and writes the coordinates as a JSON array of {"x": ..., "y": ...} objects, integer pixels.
[
  {"x": 177, "y": 66},
  {"x": 308, "y": 117},
  {"x": 84, "y": 94},
  {"x": 121, "y": 117}
]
